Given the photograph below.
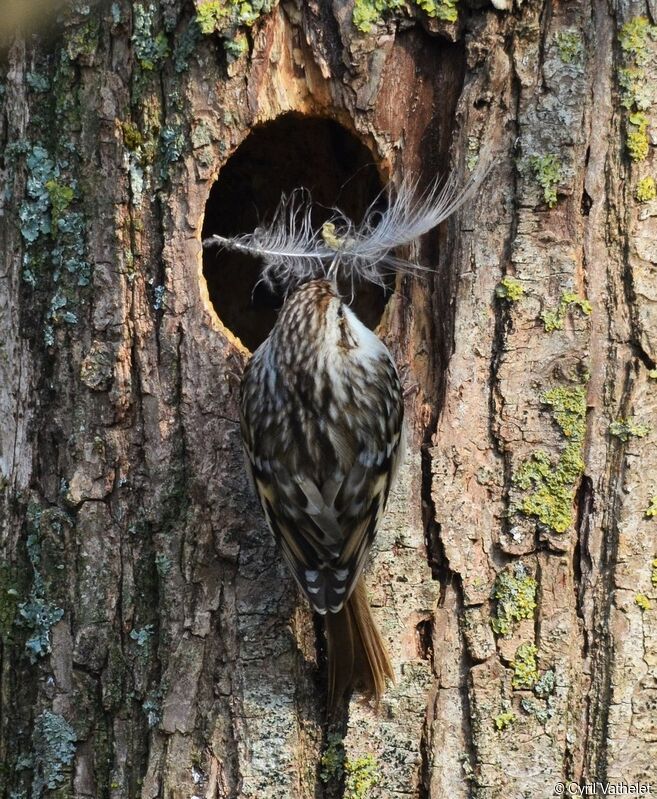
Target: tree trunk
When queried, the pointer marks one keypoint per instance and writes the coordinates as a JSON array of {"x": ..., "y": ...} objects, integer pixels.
[{"x": 153, "y": 643}]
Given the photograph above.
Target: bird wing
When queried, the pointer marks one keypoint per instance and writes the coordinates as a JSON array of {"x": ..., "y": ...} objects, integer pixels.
[{"x": 324, "y": 507}]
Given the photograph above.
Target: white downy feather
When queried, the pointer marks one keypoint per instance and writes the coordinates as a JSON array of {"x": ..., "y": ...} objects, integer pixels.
[{"x": 294, "y": 252}]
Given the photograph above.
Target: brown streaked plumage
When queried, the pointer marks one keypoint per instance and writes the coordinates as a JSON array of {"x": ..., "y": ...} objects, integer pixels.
[{"x": 322, "y": 414}]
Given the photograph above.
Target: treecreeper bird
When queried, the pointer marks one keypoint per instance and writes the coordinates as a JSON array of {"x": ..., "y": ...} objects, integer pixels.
[{"x": 322, "y": 411}]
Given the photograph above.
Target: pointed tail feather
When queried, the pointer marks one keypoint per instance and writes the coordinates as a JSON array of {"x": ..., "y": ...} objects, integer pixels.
[{"x": 357, "y": 656}]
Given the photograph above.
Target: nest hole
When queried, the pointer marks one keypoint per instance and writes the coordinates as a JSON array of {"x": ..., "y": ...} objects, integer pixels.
[{"x": 277, "y": 157}]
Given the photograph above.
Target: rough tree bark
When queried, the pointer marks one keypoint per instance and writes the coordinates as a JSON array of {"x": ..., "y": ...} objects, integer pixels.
[{"x": 153, "y": 645}]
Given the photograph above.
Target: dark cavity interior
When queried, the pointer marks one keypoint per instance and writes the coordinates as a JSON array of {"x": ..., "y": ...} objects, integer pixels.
[{"x": 291, "y": 152}]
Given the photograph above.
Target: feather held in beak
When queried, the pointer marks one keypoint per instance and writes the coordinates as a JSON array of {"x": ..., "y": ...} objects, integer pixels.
[{"x": 294, "y": 250}]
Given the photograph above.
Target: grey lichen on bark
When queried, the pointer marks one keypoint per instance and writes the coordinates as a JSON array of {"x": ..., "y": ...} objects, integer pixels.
[{"x": 153, "y": 643}]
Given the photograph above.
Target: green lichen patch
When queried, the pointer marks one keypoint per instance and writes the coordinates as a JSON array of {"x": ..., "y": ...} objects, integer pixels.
[
  {"x": 150, "y": 48},
  {"x": 222, "y": 15},
  {"x": 514, "y": 593},
  {"x": 445, "y": 10},
  {"x": 653, "y": 573},
  {"x": 646, "y": 189},
  {"x": 547, "y": 171},
  {"x": 570, "y": 46},
  {"x": 142, "y": 145},
  {"x": 638, "y": 143},
  {"x": 550, "y": 486},
  {"x": 210, "y": 16},
  {"x": 504, "y": 720},
  {"x": 82, "y": 40},
  {"x": 642, "y": 601},
  {"x": 53, "y": 741},
  {"x": 61, "y": 196},
  {"x": 237, "y": 46},
  {"x": 568, "y": 409},
  {"x": 635, "y": 86},
  {"x": 554, "y": 319},
  {"x": 226, "y": 17},
  {"x": 633, "y": 39},
  {"x": 628, "y": 428},
  {"x": 472, "y": 153},
  {"x": 45, "y": 212},
  {"x": 636, "y": 92},
  {"x": 331, "y": 764},
  {"x": 652, "y": 374},
  {"x": 525, "y": 671},
  {"x": 361, "y": 776},
  {"x": 132, "y": 136},
  {"x": 369, "y": 13},
  {"x": 651, "y": 510},
  {"x": 509, "y": 289}
]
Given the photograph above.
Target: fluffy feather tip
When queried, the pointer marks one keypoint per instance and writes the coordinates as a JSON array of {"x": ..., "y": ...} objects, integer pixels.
[{"x": 293, "y": 250}]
